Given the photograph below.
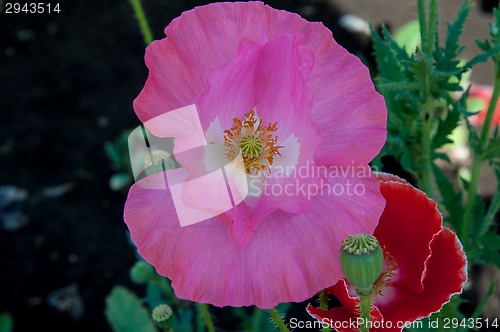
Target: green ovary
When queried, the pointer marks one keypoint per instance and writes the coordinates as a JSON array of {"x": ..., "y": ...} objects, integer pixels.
[{"x": 251, "y": 146}]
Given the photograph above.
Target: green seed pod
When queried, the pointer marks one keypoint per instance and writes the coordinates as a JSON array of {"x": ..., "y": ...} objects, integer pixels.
[
  {"x": 362, "y": 260},
  {"x": 161, "y": 315},
  {"x": 141, "y": 272}
]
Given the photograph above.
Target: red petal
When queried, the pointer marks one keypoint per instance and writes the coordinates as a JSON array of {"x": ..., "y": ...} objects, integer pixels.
[
  {"x": 342, "y": 294},
  {"x": 445, "y": 275},
  {"x": 408, "y": 224},
  {"x": 446, "y": 269},
  {"x": 345, "y": 314}
]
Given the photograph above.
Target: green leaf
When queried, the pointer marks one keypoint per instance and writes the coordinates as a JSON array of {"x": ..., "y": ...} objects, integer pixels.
[
  {"x": 6, "y": 322},
  {"x": 446, "y": 127},
  {"x": 456, "y": 28},
  {"x": 451, "y": 198},
  {"x": 478, "y": 213},
  {"x": 490, "y": 251},
  {"x": 483, "y": 56},
  {"x": 388, "y": 64},
  {"x": 492, "y": 149},
  {"x": 126, "y": 313}
]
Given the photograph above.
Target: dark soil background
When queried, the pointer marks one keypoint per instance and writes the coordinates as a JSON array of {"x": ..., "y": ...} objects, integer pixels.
[{"x": 67, "y": 82}]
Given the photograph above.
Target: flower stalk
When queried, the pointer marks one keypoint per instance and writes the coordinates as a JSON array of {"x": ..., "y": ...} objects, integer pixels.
[
  {"x": 427, "y": 179},
  {"x": 206, "y": 317},
  {"x": 428, "y": 30},
  {"x": 278, "y": 320},
  {"x": 323, "y": 304},
  {"x": 365, "y": 303},
  {"x": 142, "y": 20},
  {"x": 478, "y": 160}
]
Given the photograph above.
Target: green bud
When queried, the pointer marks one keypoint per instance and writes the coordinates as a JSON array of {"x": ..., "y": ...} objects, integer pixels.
[
  {"x": 362, "y": 260},
  {"x": 161, "y": 315},
  {"x": 141, "y": 272}
]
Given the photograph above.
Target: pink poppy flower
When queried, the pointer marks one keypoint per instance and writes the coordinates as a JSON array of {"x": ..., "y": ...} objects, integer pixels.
[
  {"x": 424, "y": 264},
  {"x": 482, "y": 94},
  {"x": 280, "y": 90}
]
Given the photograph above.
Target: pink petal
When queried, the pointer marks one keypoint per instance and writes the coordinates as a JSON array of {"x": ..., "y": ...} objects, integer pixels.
[
  {"x": 280, "y": 262},
  {"x": 221, "y": 57},
  {"x": 230, "y": 88},
  {"x": 197, "y": 42},
  {"x": 281, "y": 88},
  {"x": 351, "y": 114}
]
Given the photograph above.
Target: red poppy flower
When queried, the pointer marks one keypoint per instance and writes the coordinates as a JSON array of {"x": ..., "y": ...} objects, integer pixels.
[{"x": 424, "y": 264}]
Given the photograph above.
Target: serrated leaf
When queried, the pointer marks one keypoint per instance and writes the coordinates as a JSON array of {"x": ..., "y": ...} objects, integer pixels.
[
  {"x": 490, "y": 253},
  {"x": 400, "y": 53},
  {"x": 451, "y": 198},
  {"x": 6, "y": 322},
  {"x": 442, "y": 156},
  {"x": 492, "y": 149},
  {"x": 474, "y": 140},
  {"x": 456, "y": 28},
  {"x": 445, "y": 129},
  {"x": 126, "y": 313},
  {"x": 495, "y": 28},
  {"x": 483, "y": 56},
  {"x": 387, "y": 62}
]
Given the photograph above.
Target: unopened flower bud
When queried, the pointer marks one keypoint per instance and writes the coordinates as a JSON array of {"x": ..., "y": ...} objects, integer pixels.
[
  {"x": 362, "y": 260},
  {"x": 161, "y": 315},
  {"x": 141, "y": 272}
]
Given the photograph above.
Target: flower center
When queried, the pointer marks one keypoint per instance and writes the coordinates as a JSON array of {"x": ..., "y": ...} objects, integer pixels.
[
  {"x": 256, "y": 143},
  {"x": 251, "y": 146}
]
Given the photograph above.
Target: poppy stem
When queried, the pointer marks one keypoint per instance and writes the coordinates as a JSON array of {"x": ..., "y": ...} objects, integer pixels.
[
  {"x": 428, "y": 29},
  {"x": 207, "y": 318},
  {"x": 143, "y": 21},
  {"x": 365, "y": 303},
  {"x": 278, "y": 320},
  {"x": 323, "y": 304},
  {"x": 465, "y": 230}
]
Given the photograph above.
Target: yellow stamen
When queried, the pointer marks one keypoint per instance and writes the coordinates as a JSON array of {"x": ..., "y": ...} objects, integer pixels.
[
  {"x": 387, "y": 275},
  {"x": 256, "y": 143}
]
